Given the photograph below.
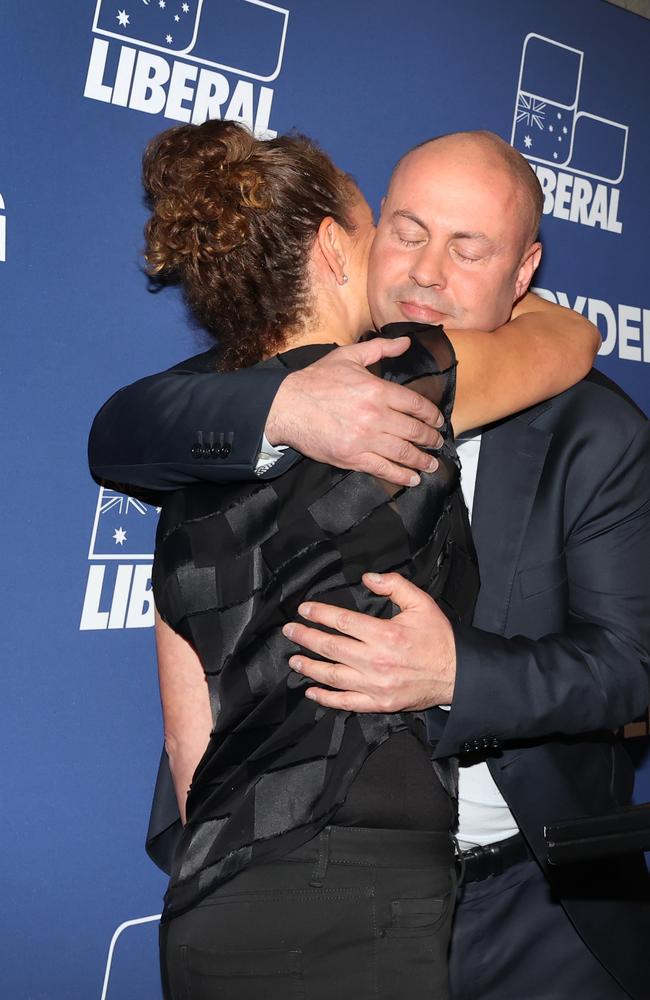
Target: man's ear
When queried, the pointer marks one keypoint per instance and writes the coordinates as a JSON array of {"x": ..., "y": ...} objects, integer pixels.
[
  {"x": 331, "y": 241},
  {"x": 527, "y": 268}
]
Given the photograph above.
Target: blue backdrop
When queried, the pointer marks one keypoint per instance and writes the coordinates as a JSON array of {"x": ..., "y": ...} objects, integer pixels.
[{"x": 84, "y": 85}]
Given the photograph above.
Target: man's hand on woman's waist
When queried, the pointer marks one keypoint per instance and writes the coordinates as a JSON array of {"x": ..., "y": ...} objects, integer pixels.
[{"x": 405, "y": 663}]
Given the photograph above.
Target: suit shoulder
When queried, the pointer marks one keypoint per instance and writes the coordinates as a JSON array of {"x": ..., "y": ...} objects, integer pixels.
[
  {"x": 199, "y": 363},
  {"x": 604, "y": 389},
  {"x": 599, "y": 399}
]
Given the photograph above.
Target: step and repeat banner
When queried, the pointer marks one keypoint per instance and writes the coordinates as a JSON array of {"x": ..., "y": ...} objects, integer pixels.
[{"x": 84, "y": 84}]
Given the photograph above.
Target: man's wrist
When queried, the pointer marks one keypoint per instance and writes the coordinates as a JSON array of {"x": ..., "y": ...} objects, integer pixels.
[
  {"x": 447, "y": 695},
  {"x": 275, "y": 433}
]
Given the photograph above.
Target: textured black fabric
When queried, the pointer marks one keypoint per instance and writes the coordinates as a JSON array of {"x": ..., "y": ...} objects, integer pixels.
[{"x": 232, "y": 565}]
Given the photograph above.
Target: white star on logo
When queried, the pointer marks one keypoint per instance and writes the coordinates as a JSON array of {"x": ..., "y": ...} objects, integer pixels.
[
  {"x": 528, "y": 141},
  {"x": 162, "y": 4},
  {"x": 122, "y": 18},
  {"x": 555, "y": 156},
  {"x": 565, "y": 129},
  {"x": 169, "y": 39},
  {"x": 185, "y": 8},
  {"x": 176, "y": 17},
  {"x": 550, "y": 128},
  {"x": 120, "y": 536}
]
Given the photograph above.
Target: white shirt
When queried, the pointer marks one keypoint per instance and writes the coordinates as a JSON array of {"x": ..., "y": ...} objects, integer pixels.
[
  {"x": 268, "y": 456},
  {"x": 483, "y": 816}
]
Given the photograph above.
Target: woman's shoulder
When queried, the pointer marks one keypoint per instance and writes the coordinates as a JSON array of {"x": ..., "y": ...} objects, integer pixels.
[{"x": 430, "y": 352}]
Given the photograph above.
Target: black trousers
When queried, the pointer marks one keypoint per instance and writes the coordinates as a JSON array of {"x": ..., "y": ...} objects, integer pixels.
[{"x": 354, "y": 914}]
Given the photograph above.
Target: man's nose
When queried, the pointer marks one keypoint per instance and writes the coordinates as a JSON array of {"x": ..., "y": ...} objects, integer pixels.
[{"x": 428, "y": 268}]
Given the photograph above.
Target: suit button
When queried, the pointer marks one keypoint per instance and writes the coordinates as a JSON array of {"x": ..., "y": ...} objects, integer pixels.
[
  {"x": 225, "y": 450},
  {"x": 197, "y": 450}
]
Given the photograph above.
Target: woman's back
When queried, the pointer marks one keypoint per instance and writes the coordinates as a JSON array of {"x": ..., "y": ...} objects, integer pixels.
[{"x": 232, "y": 566}]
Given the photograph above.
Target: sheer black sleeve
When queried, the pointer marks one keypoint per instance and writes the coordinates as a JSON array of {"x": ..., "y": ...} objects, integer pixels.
[{"x": 428, "y": 366}]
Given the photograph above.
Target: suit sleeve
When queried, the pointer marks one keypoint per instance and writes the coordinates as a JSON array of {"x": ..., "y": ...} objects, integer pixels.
[
  {"x": 595, "y": 675},
  {"x": 185, "y": 426}
]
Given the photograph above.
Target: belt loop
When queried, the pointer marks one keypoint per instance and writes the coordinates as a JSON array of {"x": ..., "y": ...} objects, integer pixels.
[
  {"x": 320, "y": 868},
  {"x": 460, "y": 863}
]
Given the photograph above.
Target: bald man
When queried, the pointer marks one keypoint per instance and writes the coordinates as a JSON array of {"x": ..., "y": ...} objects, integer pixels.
[{"x": 529, "y": 696}]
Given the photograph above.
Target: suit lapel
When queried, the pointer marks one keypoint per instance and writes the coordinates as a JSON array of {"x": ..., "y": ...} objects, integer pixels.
[{"x": 510, "y": 465}]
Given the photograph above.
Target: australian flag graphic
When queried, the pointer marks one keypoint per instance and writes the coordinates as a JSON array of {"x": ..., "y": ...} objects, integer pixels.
[
  {"x": 547, "y": 100},
  {"x": 124, "y": 528},
  {"x": 246, "y": 36},
  {"x": 548, "y": 125}
]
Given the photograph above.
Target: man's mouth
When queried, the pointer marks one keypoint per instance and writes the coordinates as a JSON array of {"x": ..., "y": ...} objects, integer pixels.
[{"x": 420, "y": 313}]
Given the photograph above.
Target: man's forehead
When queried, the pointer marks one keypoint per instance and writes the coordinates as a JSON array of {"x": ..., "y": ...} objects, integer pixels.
[
  {"x": 456, "y": 164},
  {"x": 468, "y": 196}
]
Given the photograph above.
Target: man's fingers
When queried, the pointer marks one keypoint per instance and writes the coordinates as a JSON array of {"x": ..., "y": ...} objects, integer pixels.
[
  {"x": 335, "y": 675},
  {"x": 348, "y": 623},
  {"x": 406, "y": 454},
  {"x": 368, "y": 352},
  {"x": 345, "y": 701},
  {"x": 382, "y": 468},
  {"x": 402, "y": 592},
  {"x": 337, "y": 648},
  {"x": 405, "y": 400},
  {"x": 407, "y": 428}
]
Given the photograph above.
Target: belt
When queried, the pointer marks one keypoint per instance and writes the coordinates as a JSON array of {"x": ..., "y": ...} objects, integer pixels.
[{"x": 481, "y": 862}]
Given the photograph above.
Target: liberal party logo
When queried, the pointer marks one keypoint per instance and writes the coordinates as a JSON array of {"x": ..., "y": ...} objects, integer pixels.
[
  {"x": 178, "y": 55},
  {"x": 550, "y": 129},
  {"x": 3, "y": 231},
  {"x": 118, "y": 591}
]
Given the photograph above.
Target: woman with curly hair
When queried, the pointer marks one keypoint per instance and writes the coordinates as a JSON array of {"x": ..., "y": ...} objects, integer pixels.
[{"x": 316, "y": 855}]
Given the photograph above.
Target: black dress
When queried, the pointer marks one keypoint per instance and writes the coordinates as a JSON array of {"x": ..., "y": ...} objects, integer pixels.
[{"x": 232, "y": 565}]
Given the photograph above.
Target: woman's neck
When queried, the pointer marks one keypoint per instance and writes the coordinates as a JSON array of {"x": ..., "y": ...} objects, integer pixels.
[{"x": 319, "y": 330}]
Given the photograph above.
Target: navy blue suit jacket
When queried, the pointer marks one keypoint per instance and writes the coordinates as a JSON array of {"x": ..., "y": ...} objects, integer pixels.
[{"x": 558, "y": 656}]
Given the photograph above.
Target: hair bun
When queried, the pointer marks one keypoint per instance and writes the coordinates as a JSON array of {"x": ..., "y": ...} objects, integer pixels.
[{"x": 202, "y": 184}]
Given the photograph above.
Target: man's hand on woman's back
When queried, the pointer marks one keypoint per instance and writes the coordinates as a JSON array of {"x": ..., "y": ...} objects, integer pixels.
[{"x": 338, "y": 412}]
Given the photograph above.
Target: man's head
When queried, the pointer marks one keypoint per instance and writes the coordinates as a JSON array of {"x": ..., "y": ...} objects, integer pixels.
[{"x": 456, "y": 242}]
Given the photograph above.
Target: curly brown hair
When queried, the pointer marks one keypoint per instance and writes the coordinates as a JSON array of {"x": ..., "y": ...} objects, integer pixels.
[{"x": 233, "y": 220}]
